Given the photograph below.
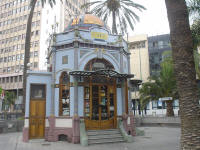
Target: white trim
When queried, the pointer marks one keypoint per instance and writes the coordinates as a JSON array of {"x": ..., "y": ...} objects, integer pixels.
[
  {"x": 46, "y": 123},
  {"x": 64, "y": 123},
  {"x": 26, "y": 123},
  {"x": 129, "y": 120}
]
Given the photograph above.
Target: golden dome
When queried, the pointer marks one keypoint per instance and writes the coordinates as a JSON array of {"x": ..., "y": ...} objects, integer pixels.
[
  {"x": 91, "y": 19},
  {"x": 86, "y": 21}
]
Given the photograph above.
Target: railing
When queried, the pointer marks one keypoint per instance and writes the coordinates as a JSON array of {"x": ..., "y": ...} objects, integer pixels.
[{"x": 10, "y": 116}]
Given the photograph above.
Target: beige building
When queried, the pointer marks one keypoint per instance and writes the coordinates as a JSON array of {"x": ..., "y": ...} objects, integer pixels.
[
  {"x": 139, "y": 59},
  {"x": 13, "y": 20}
]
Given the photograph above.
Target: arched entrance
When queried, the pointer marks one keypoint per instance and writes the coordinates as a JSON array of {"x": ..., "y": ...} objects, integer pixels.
[{"x": 99, "y": 96}]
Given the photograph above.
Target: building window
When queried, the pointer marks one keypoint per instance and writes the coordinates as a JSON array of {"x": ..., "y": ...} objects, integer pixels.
[
  {"x": 35, "y": 53},
  {"x": 38, "y": 91},
  {"x": 11, "y": 79},
  {"x": 65, "y": 59},
  {"x": 7, "y": 79},
  {"x": 64, "y": 100},
  {"x": 20, "y": 78},
  {"x": 16, "y": 78},
  {"x": 3, "y": 80},
  {"x": 35, "y": 64},
  {"x": 154, "y": 104}
]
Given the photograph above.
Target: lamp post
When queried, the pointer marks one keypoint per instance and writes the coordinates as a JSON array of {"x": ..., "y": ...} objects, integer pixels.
[{"x": 139, "y": 46}]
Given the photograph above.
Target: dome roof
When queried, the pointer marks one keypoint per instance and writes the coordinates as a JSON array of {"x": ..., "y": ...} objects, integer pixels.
[{"x": 85, "y": 22}]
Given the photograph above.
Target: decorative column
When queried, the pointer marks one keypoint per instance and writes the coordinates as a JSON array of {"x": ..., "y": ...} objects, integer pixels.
[
  {"x": 121, "y": 61},
  {"x": 128, "y": 80},
  {"x": 76, "y": 119},
  {"x": 51, "y": 118},
  {"x": 123, "y": 96},
  {"x": 53, "y": 82}
]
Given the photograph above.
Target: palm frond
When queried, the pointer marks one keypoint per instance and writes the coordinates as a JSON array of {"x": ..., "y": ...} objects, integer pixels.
[
  {"x": 122, "y": 10},
  {"x": 86, "y": 5}
]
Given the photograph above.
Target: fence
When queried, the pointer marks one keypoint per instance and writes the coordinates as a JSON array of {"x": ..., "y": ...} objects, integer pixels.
[{"x": 10, "y": 116}]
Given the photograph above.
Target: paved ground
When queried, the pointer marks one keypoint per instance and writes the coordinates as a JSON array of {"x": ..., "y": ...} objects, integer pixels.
[{"x": 155, "y": 138}]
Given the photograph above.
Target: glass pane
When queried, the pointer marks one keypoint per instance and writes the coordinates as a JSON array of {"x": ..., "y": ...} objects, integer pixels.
[
  {"x": 65, "y": 100},
  {"x": 37, "y": 91},
  {"x": 111, "y": 103},
  {"x": 95, "y": 102},
  {"x": 64, "y": 95},
  {"x": 65, "y": 79},
  {"x": 65, "y": 106},
  {"x": 104, "y": 102},
  {"x": 87, "y": 102}
]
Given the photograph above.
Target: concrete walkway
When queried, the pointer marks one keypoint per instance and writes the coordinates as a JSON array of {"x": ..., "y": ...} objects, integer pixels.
[{"x": 155, "y": 138}]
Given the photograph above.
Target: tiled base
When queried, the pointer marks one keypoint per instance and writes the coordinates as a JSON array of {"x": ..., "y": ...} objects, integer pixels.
[
  {"x": 25, "y": 134},
  {"x": 129, "y": 127}
]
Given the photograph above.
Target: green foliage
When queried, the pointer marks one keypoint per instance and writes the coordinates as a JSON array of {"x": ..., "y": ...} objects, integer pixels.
[
  {"x": 9, "y": 98},
  {"x": 194, "y": 7},
  {"x": 195, "y": 29},
  {"x": 162, "y": 86},
  {"x": 1, "y": 90},
  {"x": 197, "y": 62},
  {"x": 194, "y": 10},
  {"x": 121, "y": 12}
]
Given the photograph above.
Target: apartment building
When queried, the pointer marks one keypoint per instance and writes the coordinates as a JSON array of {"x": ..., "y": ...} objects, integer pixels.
[
  {"x": 139, "y": 61},
  {"x": 145, "y": 59},
  {"x": 157, "y": 45},
  {"x": 13, "y": 20},
  {"x": 139, "y": 58}
]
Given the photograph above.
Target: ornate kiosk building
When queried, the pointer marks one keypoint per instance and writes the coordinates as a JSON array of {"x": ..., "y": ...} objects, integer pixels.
[{"x": 85, "y": 87}]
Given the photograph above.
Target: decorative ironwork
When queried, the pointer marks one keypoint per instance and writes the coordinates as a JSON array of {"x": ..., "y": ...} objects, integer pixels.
[{"x": 101, "y": 72}]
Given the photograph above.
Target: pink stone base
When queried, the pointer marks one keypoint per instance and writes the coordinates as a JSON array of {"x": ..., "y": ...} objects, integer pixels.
[
  {"x": 76, "y": 130},
  {"x": 25, "y": 134},
  {"x": 73, "y": 134},
  {"x": 58, "y": 131},
  {"x": 130, "y": 128}
]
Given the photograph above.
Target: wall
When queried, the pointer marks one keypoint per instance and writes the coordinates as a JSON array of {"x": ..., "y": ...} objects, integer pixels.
[
  {"x": 119, "y": 102},
  {"x": 39, "y": 78},
  {"x": 139, "y": 57},
  {"x": 81, "y": 101},
  {"x": 157, "y": 121}
]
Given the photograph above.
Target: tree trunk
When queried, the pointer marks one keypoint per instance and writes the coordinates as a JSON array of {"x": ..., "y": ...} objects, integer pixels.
[
  {"x": 114, "y": 27},
  {"x": 182, "y": 52},
  {"x": 27, "y": 51},
  {"x": 170, "y": 110}
]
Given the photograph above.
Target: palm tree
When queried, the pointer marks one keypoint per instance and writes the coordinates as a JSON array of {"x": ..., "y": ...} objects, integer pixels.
[
  {"x": 195, "y": 28},
  {"x": 162, "y": 86},
  {"x": 182, "y": 53},
  {"x": 197, "y": 62},
  {"x": 194, "y": 7},
  {"x": 27, "y": 44},
  {"x": 121, "y": 12}
]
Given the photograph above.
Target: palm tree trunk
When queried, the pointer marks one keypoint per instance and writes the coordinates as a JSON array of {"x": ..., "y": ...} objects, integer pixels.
[
  {"x": 114, "y": 27},
  {"x": 170, "y": 111},
  {"x": 182, "y": 52},
  {"x": 27, "y": 51}
]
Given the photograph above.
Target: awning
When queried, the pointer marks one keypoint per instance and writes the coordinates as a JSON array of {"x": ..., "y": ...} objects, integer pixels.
[{"x": 101, "y": 72}]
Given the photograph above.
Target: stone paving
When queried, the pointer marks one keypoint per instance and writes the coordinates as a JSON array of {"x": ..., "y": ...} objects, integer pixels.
[{"x": 155, "y": 138}]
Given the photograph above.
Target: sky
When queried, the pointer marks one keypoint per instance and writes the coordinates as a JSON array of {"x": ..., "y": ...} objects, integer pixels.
[{"x": 153, "y": 21}]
